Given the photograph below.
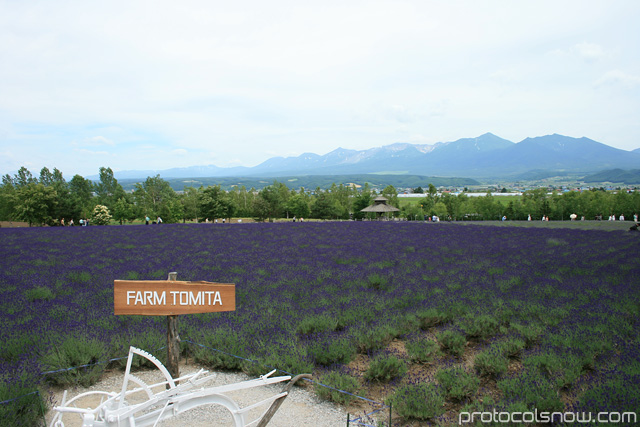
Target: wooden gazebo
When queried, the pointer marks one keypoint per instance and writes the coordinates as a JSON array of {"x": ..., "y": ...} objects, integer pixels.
[{"x": 380, "y": 207}]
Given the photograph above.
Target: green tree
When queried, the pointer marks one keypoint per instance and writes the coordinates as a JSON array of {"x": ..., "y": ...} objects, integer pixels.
[
  {"x": 154, "y": 198},
  {"x": 324, "y": 206},
  {"x": 563, "y": 205},
  {"x": 361, "y": 201},
  {"x": 108, "y": 190},
  {"x": 24, "y": 178},
  {"x": 298, "y": 205},
  {"x": 341, "y": 197},
  {"x": 214, "y": 203},
  {"x": 124, "y": 210},
  {"x": 623, "y": 204},
  {"x": 189, "y": 200},
  {"x": 64, "y": 206},
  {"x": 430, "y": 200},
  {"x": 453, "y": 204},
  {"x": 391, "y": 193},
  {"x": 275, "y": 196},
  {"x": 80, "y": 196},
  {"x": 260, "y": 209},
  {"x": 173, "y": 210},
  {"x": 488, "y": 207},
  {"x": 598, "y": 203},
  {"x": 46, "y": 177},
  {"x": 242, "y": 200},
  {"x": 412, "y": 212},
  {"x": 7, "y": 198},
  {"x": 36, "y": 204},
  {"x": 440, "y": 209},
  {"x": 536, "y": 202}
]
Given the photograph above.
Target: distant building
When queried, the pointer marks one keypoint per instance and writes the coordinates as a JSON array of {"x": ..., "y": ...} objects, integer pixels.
[{"x": 380, "y": 207}]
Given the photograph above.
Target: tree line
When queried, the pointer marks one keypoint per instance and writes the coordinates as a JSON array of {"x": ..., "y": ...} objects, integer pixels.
[{"x": 49, "y": 199}]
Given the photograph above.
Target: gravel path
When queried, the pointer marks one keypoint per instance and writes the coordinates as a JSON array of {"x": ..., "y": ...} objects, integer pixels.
[{"x": 301, "y": 407}]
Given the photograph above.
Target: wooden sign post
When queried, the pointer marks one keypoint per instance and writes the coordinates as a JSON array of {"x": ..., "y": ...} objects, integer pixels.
[{"x": 171, "y": 298}]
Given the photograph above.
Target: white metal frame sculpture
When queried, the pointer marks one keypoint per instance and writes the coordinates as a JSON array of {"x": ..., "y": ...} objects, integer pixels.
[{"x": 178, "y": 396}]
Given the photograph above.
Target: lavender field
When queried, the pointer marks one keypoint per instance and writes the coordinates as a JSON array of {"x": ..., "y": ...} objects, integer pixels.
[{"x": 434, "y": 318}]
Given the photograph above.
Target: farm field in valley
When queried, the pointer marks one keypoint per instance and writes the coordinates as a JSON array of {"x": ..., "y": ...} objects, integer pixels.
[{"x": 437, "y": 319}]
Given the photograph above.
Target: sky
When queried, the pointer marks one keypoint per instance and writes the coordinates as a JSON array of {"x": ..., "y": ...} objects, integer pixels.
[{"x": 151, "y": 85}]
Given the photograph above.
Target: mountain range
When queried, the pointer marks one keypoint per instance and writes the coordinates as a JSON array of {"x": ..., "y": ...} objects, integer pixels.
[{"x": 486, "y": 156}]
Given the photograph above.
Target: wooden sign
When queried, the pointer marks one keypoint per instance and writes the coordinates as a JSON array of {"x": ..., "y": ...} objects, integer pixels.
[{"x": 171, "y": 297}]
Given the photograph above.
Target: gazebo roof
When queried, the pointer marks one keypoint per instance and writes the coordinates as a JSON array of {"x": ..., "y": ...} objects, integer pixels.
[{"x": 380, "y": 206}]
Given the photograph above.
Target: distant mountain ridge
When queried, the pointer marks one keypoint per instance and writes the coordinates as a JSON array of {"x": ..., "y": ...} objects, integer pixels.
[
  {"x": 486, "y": 156},
  {"x": 627, "y": 177}
]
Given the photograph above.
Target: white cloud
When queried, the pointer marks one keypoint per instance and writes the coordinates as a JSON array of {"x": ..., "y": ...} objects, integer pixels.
[
  {"x": 618, "y": 77},
  {"x": 94, "y": 141},
  {"x": 238, "y": 79},
  {"x": 589, "y": 51},
  {"x": 92, "y": 152}
]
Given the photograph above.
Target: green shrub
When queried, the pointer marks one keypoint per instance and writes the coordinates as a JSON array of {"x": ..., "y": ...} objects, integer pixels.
[
  {"x": 490, "y": 363},
  {"x": 41, "y": 293},
  {"x": 422, "y": 351},
  {"x": 408, "y": 323},
  {"x": 373, "y": 339},
  {"x": 14, "y": 346},
  {"x": 331, "y": 351},
  {"x": 71, "y": 357},
  {"x": 339, "y": 381},
  {"x": 530, "y": 333},
  {"x": 456, "y": 310},
  {"x": 534, "y": 390},
  {"x": 314, "y": 324},
  {"x": 293, "y": 361},
  {"x": 452, "y": 342},
  {"x": 431, "y": 317},
  {"x": 377, "y": 282},
  {"x": 482, "y": 326},
  {"x": 217, "y": 349},
  {"x": 457, "y": 383},
  {"x": 100, "y": 215},
  {"x": 511, "y": 347},
  {"x": 74, "y": 276},
  {"x": 22, "y": 403},
  {"x": 346, "y": 318},
  {"x": 385, "y": 368},
  {"x": 274, "y": 358},
  {"x": 422, "y": 401},
  {"x": 547, "y": 363},
  {"x": 563, "y": 370}
]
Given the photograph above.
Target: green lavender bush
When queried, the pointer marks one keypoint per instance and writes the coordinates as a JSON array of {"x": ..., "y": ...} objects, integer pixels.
[
  {"x": 458, "y": 384},
  {"x": 452, "y": 342},
  {"x": 422, "y": 401},
  {"x": 422, "y": 350},
  {"x": 74, "y": 360},
  {"x": 341, "y": 382},
  {"x": 384, "y": 368}
]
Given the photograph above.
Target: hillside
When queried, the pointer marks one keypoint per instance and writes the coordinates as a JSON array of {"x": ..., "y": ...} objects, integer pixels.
[
  {"x": 487, "y": 156},
  {"x": 627, "y": 177},
  {"x": 311, "y": 182}
]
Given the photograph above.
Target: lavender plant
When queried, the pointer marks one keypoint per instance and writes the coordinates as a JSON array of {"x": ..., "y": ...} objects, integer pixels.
[{"x": 353, "y": 286}]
